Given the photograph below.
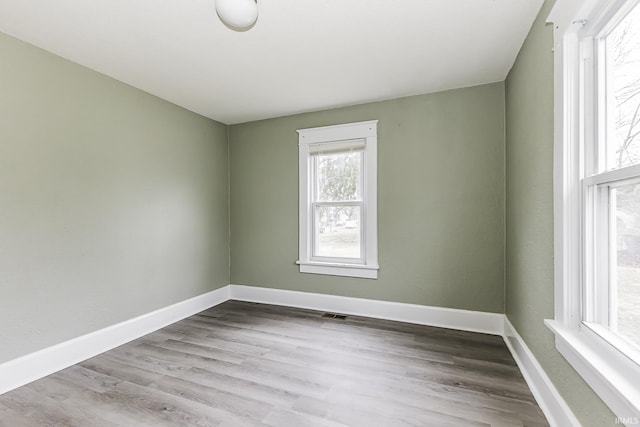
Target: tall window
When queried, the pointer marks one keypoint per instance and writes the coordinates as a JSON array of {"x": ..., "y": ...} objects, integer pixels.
[
  {"x": 337, "y": 201},
  {"x": 338, "y": 218},
  {"x": 597, "y": 196},
  {"x": 612, "y": 179}
]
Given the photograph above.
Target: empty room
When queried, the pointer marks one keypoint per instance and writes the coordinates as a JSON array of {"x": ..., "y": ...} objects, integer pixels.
[{"x": 320, "y": 213}]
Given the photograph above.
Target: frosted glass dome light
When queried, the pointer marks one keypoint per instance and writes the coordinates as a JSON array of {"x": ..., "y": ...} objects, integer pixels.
[{"x": 238, "y": 14}]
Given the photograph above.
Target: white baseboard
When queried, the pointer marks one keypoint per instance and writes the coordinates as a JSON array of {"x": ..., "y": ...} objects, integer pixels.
[
  {"x": 554, "y": 407},
  {"x": 465, "y": 320},
  {"x": 23, "y": 370},
  {"x": 31, "y": 367},
  {"x": 552, "y": 404}
]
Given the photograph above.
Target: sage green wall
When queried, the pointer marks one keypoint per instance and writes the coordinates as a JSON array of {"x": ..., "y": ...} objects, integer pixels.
[
  {"x": 440, "y": 206},
  {"x": 113, "y": 203},
  {"x": 529, "y": 199}
]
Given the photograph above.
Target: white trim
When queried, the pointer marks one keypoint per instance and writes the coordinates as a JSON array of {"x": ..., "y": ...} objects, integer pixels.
[
  {"x": 33, "y": 366},
  {"x": 337, "y": 269},
  {"x": 611, "y": 374},
  {"x": 343, "y": 132},
  {"x": 567, "y": 235},
  {"x": 628, "y": 173},
  {"x": 464, "y": 320},
  {"x": 565, "y": 12},
  {"x": 339, "y": 136},
  {"x": 552, "y": 404}
]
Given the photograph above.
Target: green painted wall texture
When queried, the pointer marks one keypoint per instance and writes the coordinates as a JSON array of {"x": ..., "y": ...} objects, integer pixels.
[
  {"x": 529, "y": 201},
  {"x": 113, "y": 203},
  {"x": 440, "y": 200}
]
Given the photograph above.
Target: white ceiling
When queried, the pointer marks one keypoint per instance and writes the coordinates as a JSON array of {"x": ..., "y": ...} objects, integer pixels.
[{"x": 301, "y": 55}]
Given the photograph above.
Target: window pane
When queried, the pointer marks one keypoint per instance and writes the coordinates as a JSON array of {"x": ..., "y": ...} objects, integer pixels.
[
  {"x": 623, "y": 87},
  {"x": 339, "y": 177},
  {"x": 626, "y": 313},
  {"x": 338, "y": 231}
]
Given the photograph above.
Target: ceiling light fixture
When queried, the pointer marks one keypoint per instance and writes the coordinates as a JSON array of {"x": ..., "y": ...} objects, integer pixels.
[{"x": 237, "y": 14}]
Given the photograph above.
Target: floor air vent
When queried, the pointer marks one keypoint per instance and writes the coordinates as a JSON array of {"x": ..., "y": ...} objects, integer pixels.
[{"x": 334, "y": 316}]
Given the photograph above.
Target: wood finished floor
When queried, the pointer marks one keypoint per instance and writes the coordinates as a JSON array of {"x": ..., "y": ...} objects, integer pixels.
[{"x": 244, "y": 364}]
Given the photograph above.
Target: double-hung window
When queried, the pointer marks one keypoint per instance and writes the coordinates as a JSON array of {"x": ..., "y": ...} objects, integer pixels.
[
  {"x": 611, "y": 61},
  {"x": 597, "y": 196},
  {"x": 338, "y": 218}
]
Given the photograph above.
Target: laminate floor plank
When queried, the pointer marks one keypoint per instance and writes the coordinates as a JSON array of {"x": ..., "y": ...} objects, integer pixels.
[
  {"x": 479, "y": 400},
  {"x": 249, "y": 364},
  {"x": 175, "y": 363},
  {"x": 37, "y": 408},
  {"x": 264, "y": 393},
  {"x": 284, "y": 417},
  {"x": 123, "y": 370},
  {"x": 13, "y": 418},
  {"x": 205, "y": 347}
]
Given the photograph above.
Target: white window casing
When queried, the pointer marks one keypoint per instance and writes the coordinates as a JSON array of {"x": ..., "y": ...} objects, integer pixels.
[
  {"x": 358, "y": 137},
  {"x": 581, "y": 205}
]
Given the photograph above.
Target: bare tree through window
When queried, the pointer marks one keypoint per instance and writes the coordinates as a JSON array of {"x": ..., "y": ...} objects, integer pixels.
[
  {"x": 623, "y": 87},
  {"x": 624, "y": 45}
]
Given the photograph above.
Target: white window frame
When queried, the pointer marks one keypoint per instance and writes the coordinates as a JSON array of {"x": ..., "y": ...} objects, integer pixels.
[
  {"x": 613, "y": 374},
  {"x": 367, "y": 266}
]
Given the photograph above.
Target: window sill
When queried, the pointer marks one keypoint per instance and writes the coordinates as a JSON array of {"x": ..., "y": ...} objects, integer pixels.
[
  {"x": 336, "y": 269},
  {"x": 613, "y": 376}
]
